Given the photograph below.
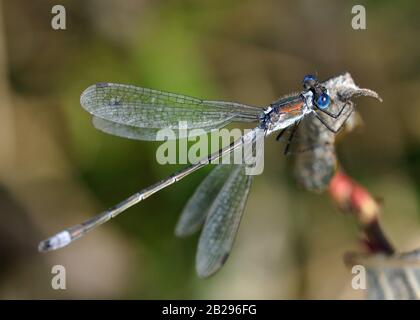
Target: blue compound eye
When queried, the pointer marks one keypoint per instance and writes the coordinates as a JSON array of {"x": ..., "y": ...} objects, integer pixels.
[
  {"x": 323, "y": 101},
  {"x": 309, "y": 77},
  {"x": 309, "y": 81}
]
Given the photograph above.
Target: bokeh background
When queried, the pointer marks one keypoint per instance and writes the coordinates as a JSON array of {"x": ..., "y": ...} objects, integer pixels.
[{"x": 57, "y": 170}]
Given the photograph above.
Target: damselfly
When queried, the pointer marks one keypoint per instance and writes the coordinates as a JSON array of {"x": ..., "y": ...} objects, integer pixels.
[{"x": 219, "y": 201}]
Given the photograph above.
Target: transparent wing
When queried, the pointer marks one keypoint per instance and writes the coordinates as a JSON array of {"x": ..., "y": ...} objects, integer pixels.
[
  {"x": 125, "y": 105},
  {"x": 136, "y": 133},
  {"x": 222, "y": 223},
  {"x": 195, "y": 211}
]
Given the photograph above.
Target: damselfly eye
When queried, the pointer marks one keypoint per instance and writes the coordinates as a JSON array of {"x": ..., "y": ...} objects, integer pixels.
[
  {"x": 309, "y": 77},
  {"x": 323, "y": 101},
  {"x": 309, "y": 81}
]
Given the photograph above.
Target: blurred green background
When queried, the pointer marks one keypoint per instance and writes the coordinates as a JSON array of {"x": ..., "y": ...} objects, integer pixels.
[{"x": 57, "y": 170}]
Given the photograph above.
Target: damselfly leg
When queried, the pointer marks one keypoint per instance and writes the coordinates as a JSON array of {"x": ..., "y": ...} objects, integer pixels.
[
  {"x": 289, "y": 141},
  {"x": 336, "y": 128},
  {"x": 332, "y": 115}
]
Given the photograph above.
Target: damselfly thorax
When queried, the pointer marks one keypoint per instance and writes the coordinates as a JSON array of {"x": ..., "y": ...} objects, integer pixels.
[{"x": 287, "y": 111}]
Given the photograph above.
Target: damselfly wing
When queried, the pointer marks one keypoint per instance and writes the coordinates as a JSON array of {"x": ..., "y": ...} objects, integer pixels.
[
  {"x": 222, "y": 222},
  {"x": 139, "y": 113}
]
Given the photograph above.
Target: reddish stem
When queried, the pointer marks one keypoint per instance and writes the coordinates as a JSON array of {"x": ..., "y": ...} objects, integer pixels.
[{"x": 352, "y": 198}]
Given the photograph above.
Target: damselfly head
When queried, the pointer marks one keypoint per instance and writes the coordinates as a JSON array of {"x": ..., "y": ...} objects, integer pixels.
[{"x": 320, "y": 94}]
